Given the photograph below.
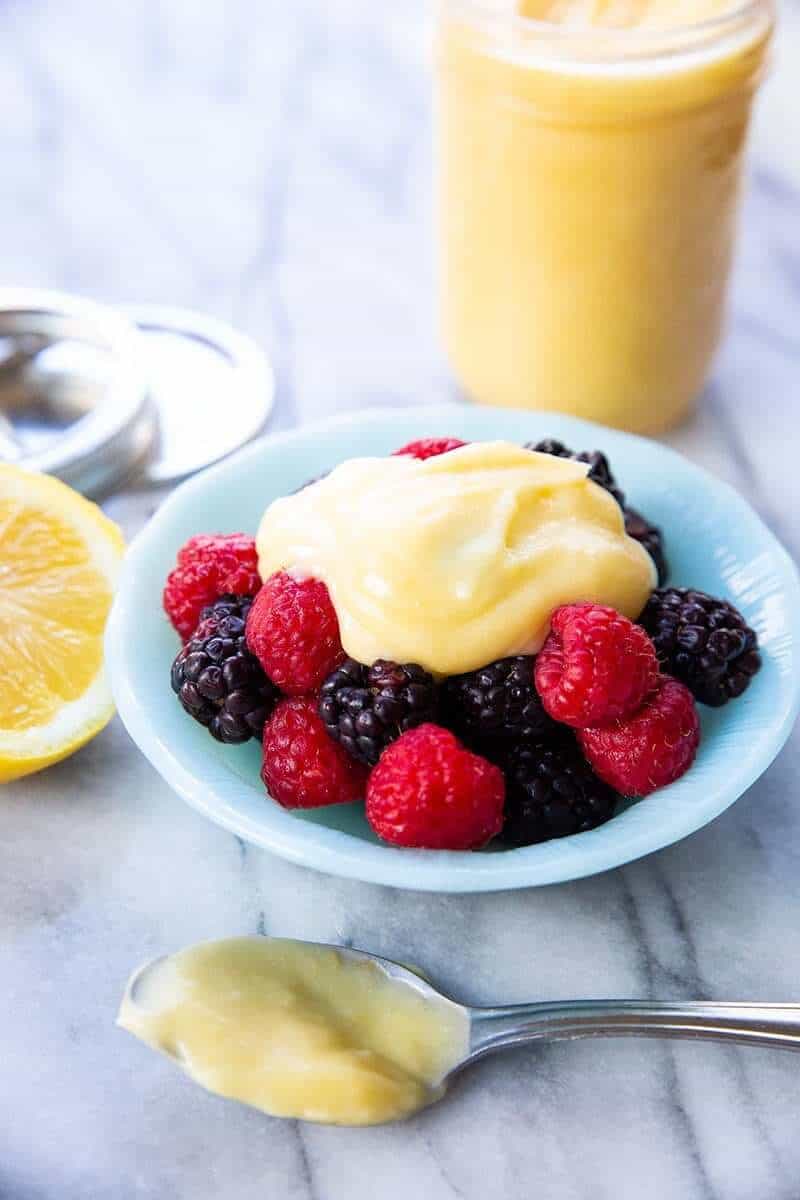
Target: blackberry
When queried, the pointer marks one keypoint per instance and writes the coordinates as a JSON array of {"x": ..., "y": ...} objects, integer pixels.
[
  {"x": 366, "y": 708},
  {"x": 552, "y": 792},
  {"x": 216, "y": 678},
  {"x": 704, "y": 642},
  {"x": 498, "y": 702},
  {"x": 599, "y": 469},
  {"x": 649, "y": 536}
]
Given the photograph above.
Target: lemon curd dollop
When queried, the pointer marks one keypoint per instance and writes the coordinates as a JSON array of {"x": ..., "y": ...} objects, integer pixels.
[{"x": 458, "y": 560}]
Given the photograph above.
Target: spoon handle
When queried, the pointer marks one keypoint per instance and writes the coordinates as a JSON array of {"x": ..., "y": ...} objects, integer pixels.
[{"x": 748, "y": 1024}]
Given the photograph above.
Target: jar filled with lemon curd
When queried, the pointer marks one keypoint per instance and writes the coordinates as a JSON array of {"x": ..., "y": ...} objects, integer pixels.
[{"x": 590, "y": 162}]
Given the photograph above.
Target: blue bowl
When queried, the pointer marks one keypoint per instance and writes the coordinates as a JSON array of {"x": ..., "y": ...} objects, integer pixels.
[{"x": 714, "y": 542}]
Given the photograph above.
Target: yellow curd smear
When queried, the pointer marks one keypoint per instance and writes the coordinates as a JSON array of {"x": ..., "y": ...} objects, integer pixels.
[
  {"x": 589, "y": 173},
  {"x": 626, "y": 14},
  {"x": 459, "y": 560},
  {"x": 298, "y": 1030}
]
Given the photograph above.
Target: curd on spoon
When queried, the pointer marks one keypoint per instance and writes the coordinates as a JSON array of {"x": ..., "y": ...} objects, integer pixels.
[
  {"x": 319, "y": 1033},
  {"x": 298, "y": 1029}
]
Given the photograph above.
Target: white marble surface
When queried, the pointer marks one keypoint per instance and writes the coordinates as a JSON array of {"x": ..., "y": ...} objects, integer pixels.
[{"x": 269, "y": 162}]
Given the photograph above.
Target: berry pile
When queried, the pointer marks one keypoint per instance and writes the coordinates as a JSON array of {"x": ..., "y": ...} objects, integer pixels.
[
  {"x": 595, "y": 666},
  {"x": 209, "y": 566},
  {"x": 525, "y": 749},
  {"x": 216, "y": 678},
  {"x": 551, "y": 792},
  {"x": 706, "y": 643},
  {"x": 302, "y": 767},
  {"x": 499, "y": 702},
  {"x": 293, "y": 631},
  {"x": 430, "y": 791},
  {"x": 366, "y": 708}
]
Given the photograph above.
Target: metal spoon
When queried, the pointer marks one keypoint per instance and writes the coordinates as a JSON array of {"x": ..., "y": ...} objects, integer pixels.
[{"x": 504, "y": 1026}]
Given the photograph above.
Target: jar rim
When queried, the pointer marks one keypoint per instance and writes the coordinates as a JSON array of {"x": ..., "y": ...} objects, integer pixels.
[{"x": 616, "y": 39}]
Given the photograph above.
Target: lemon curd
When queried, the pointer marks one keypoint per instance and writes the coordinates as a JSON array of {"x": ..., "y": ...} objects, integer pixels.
[
  {"x": 625, "y": 14},
  {"x": 298, "y": 1030},
  {"x": 590, "y": 159},
  {"x": 458, "y": 560}
]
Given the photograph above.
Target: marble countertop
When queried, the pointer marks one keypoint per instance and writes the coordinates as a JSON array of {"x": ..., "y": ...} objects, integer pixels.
[{"x": 269, "y": 163}]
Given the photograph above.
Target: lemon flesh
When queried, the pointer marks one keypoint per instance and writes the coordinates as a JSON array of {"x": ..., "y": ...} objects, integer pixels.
[{"x": 59, "y": 559}]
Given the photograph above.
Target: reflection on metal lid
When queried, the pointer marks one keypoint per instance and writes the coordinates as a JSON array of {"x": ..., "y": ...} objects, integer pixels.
[
  {"x": 212, "y": 389},
  {"x": 99, "y": 397}
]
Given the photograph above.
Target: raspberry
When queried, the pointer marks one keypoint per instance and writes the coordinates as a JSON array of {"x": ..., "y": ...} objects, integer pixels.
[
  {"x": 498, "y": 701},
  {"x": 216, "y": 678},
  {"x": 651, "y": 749},
  {"x": 293, "y": 631},
  {"x": 706, "y": 643},
  {"x": 552, "y": 792},
  {"x": 595, "y": 667},
  {"x": 210, "y": 565},
  {"x": 429, "y": 791},
  {"x": 429, "y": 447},
  {"x": 302, "y": 767},
  {"x": 366, "y": 708},
  {"x": 649, "y": 536}
]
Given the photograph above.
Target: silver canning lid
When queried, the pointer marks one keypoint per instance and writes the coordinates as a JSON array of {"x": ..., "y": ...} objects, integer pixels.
[
  {"x": 213, "y": 389},
  {"x": 73, "y": 398},
  {"x": 101, "y": 397}
]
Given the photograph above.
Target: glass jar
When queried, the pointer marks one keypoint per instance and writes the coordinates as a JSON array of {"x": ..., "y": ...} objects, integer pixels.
[{"x": 588, "y": 188}]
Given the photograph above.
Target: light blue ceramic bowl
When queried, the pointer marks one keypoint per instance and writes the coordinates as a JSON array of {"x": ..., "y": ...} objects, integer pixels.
[{"x": 714, "y": 541}]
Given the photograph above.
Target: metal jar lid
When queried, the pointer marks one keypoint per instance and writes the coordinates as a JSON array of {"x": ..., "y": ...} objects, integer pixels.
[{"x": 101, "y": 397}]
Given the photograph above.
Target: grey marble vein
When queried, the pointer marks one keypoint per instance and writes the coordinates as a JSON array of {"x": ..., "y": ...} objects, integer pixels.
[{"x": 270, "y": 163}]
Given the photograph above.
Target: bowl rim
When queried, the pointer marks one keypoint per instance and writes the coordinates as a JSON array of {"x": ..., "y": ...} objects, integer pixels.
[{"x": 338, "y": 852}]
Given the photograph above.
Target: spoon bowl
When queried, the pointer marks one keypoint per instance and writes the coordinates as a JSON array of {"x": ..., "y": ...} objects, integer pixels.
[{"x": 474, "y": 1031}]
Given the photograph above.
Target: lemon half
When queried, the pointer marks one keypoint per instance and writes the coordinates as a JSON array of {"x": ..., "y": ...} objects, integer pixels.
[{"x": 59, "y": 561}]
